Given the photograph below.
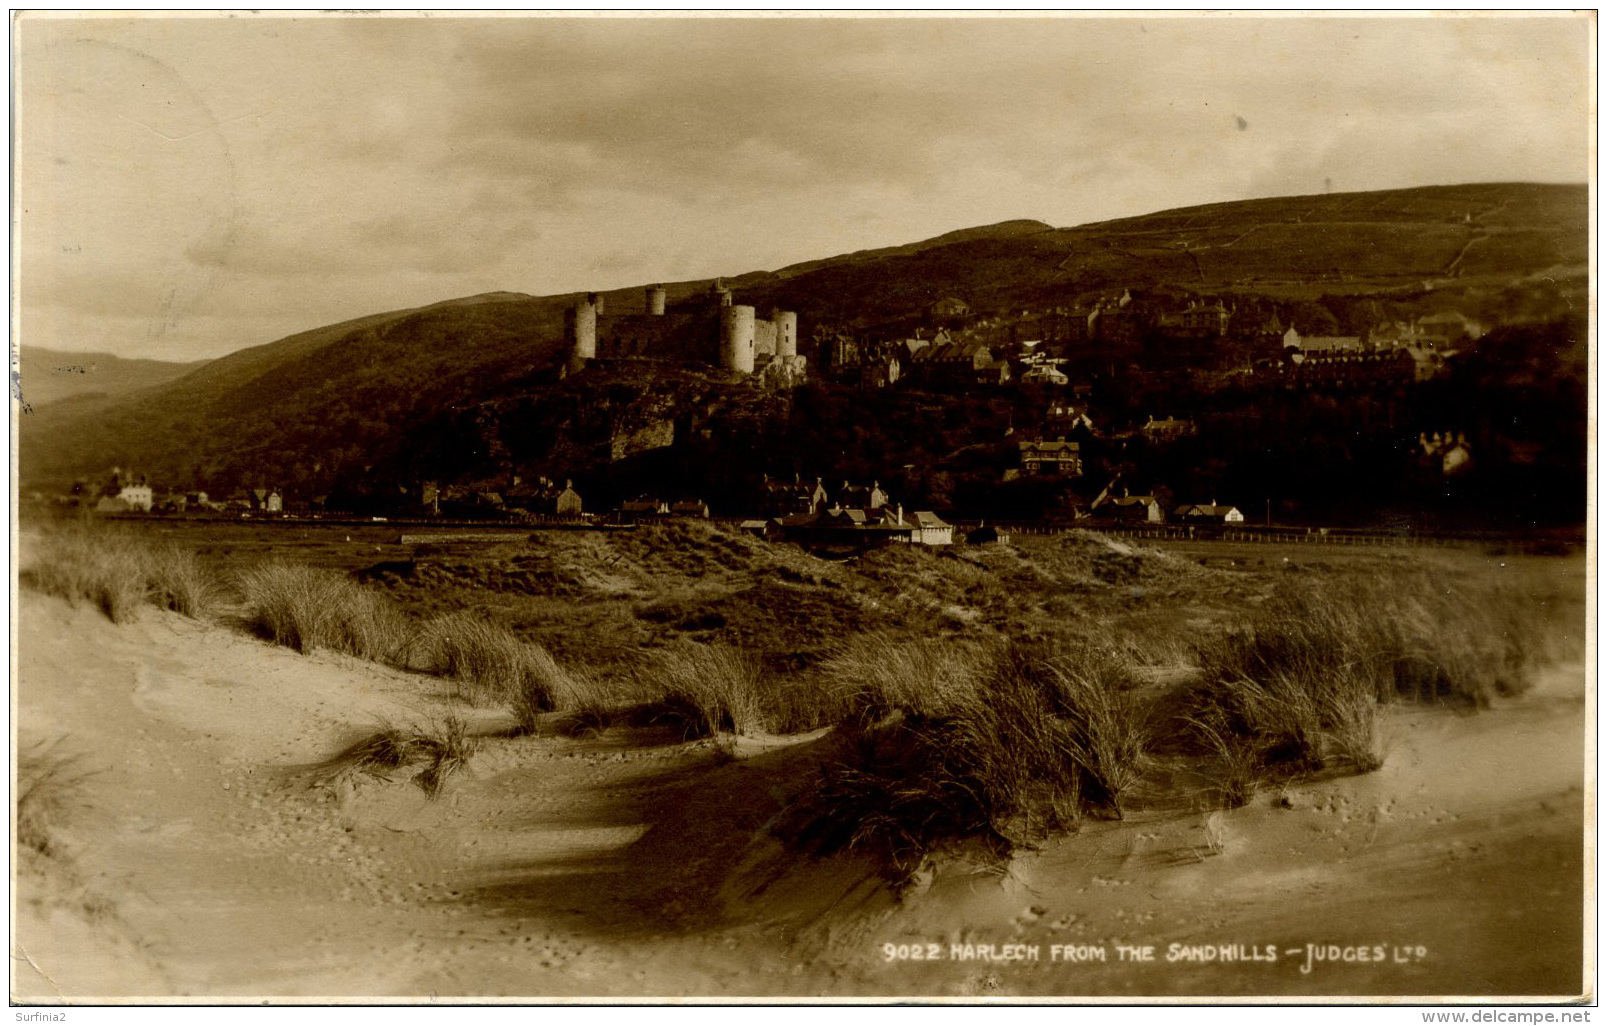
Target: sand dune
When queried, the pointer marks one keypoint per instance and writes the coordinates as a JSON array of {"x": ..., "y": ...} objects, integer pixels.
[{"x": 213, "y": 858}]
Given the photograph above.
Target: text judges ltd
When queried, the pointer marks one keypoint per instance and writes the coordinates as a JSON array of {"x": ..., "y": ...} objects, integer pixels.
[{"x": 1307, "y": 956}]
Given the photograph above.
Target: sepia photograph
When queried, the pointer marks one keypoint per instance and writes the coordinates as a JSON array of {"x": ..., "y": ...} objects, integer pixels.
[{"x": 803, "y": 507}]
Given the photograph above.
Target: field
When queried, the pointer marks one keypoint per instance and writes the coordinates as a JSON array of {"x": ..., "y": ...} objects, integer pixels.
[{"x": 683, "y": 761}]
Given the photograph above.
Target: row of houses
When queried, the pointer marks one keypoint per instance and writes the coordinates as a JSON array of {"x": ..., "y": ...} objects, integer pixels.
[
  {"x": 1059, "y": 457},
  {"x": 1441, "y": 332},
  {"x": 783, "y": 498},
  {"x": 1147, "y": 509},
  {"x": 646, "y": 508},
  {"x": 856, "y": 527},
  {"x": 542, "y": 496},
  {"x": 1338, "y": 366},
  {"x": 939, "y": 360},
  {"x": 133, "y": 493},
  {"x": 1033, "y": 348}
]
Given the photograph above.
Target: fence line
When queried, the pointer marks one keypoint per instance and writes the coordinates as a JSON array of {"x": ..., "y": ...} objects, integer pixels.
[
  {"x": 442, "y": 529},
  {"x": 1257, "y": 535}
]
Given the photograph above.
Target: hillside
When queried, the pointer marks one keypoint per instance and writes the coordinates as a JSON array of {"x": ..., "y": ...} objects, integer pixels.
[
  {"x": 316, "y": 408},
  {"x": 1457, "y": 238},
  {"x": 304, "y": 410},
  {"x": 52, "y": 374}
]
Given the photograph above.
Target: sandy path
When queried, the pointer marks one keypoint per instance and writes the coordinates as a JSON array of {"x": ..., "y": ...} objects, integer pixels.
[
  {"x": 637, "y": 865},
  {"x": 234, "y": 877}
]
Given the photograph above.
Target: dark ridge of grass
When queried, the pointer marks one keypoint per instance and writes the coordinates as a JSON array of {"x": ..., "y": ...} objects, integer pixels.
[
  {"x": 1410, "y": 632},
  {"x": 1295, "y": 690},
  {"x": 116, "y": 571}
]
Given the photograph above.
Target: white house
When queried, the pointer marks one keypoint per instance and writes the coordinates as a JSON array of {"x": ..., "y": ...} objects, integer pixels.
[
  {"x": 137, "y": 496},
  {"x": 1045, "y": 374},
  {"x": 1210, "y": 512},
  {"x": 933, "y": 530}
]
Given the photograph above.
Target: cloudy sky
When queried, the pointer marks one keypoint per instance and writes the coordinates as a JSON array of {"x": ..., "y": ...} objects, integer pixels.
[{"x": 191, "y": 186}]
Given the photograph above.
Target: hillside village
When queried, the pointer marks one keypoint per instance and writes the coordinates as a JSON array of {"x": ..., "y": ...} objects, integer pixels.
[
  {"x": 1316, "y": 371},
  {"x": 1060, "y": 361}
]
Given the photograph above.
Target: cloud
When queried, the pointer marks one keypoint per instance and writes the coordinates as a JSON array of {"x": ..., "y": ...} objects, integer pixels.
[{"x": 216, "y": 178}]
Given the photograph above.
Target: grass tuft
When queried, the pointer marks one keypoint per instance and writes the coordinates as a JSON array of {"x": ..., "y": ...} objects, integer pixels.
[
  {"x": 491, "y": 664},
  {"x": 703, "y": 689},
  {"x": 1412, "y": 632},
  {"x": 439, "y": 750},
  {"x": 1007, "y": 746},
  {"x": 116, "y": 571},
  {"x": 1296, "y": 688},
  {"x": 875, "y": 674},
  {"x": 306, "y": 609},
  {"x": 176, "y": 580},
  {"x": 1094, "y": 691},
  {"x": 50, "y": 794},
  {"x": 1238, "y": 765}
]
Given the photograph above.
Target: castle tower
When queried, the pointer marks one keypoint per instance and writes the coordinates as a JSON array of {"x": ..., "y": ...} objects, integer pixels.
[
  {"x": 721, "y": 294},
  {"x": 654, "y": 301},
  {"x": 736, "y": 338},
  {"x": 786, "y": 333},
  {"x": 580, "y": 330}
]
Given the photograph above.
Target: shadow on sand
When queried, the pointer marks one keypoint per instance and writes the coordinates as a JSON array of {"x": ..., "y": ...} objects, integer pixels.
[{"x": 705, "y": 857}]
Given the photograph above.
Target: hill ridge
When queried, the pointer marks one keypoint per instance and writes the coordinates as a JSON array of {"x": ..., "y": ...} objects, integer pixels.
[{"x": 305, "y": 409}]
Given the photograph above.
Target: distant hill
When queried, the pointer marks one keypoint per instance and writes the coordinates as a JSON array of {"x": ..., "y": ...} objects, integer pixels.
[
  {"x": 311, "y": 409},
  {"x": 1002, "y": 230},
  {"x": 1457, "y": 237},
  {"x": 51, "y": 374},
  {"x": 299, "y": 411}
]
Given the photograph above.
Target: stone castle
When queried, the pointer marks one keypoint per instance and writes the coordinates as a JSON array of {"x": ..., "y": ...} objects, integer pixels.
[{"x": 707, "y": 330}]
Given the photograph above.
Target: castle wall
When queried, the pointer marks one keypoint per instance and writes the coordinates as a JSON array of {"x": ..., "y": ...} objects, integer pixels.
[
  {"x": 764, "y": 338},
  {"x": 677, "y": 336}
]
